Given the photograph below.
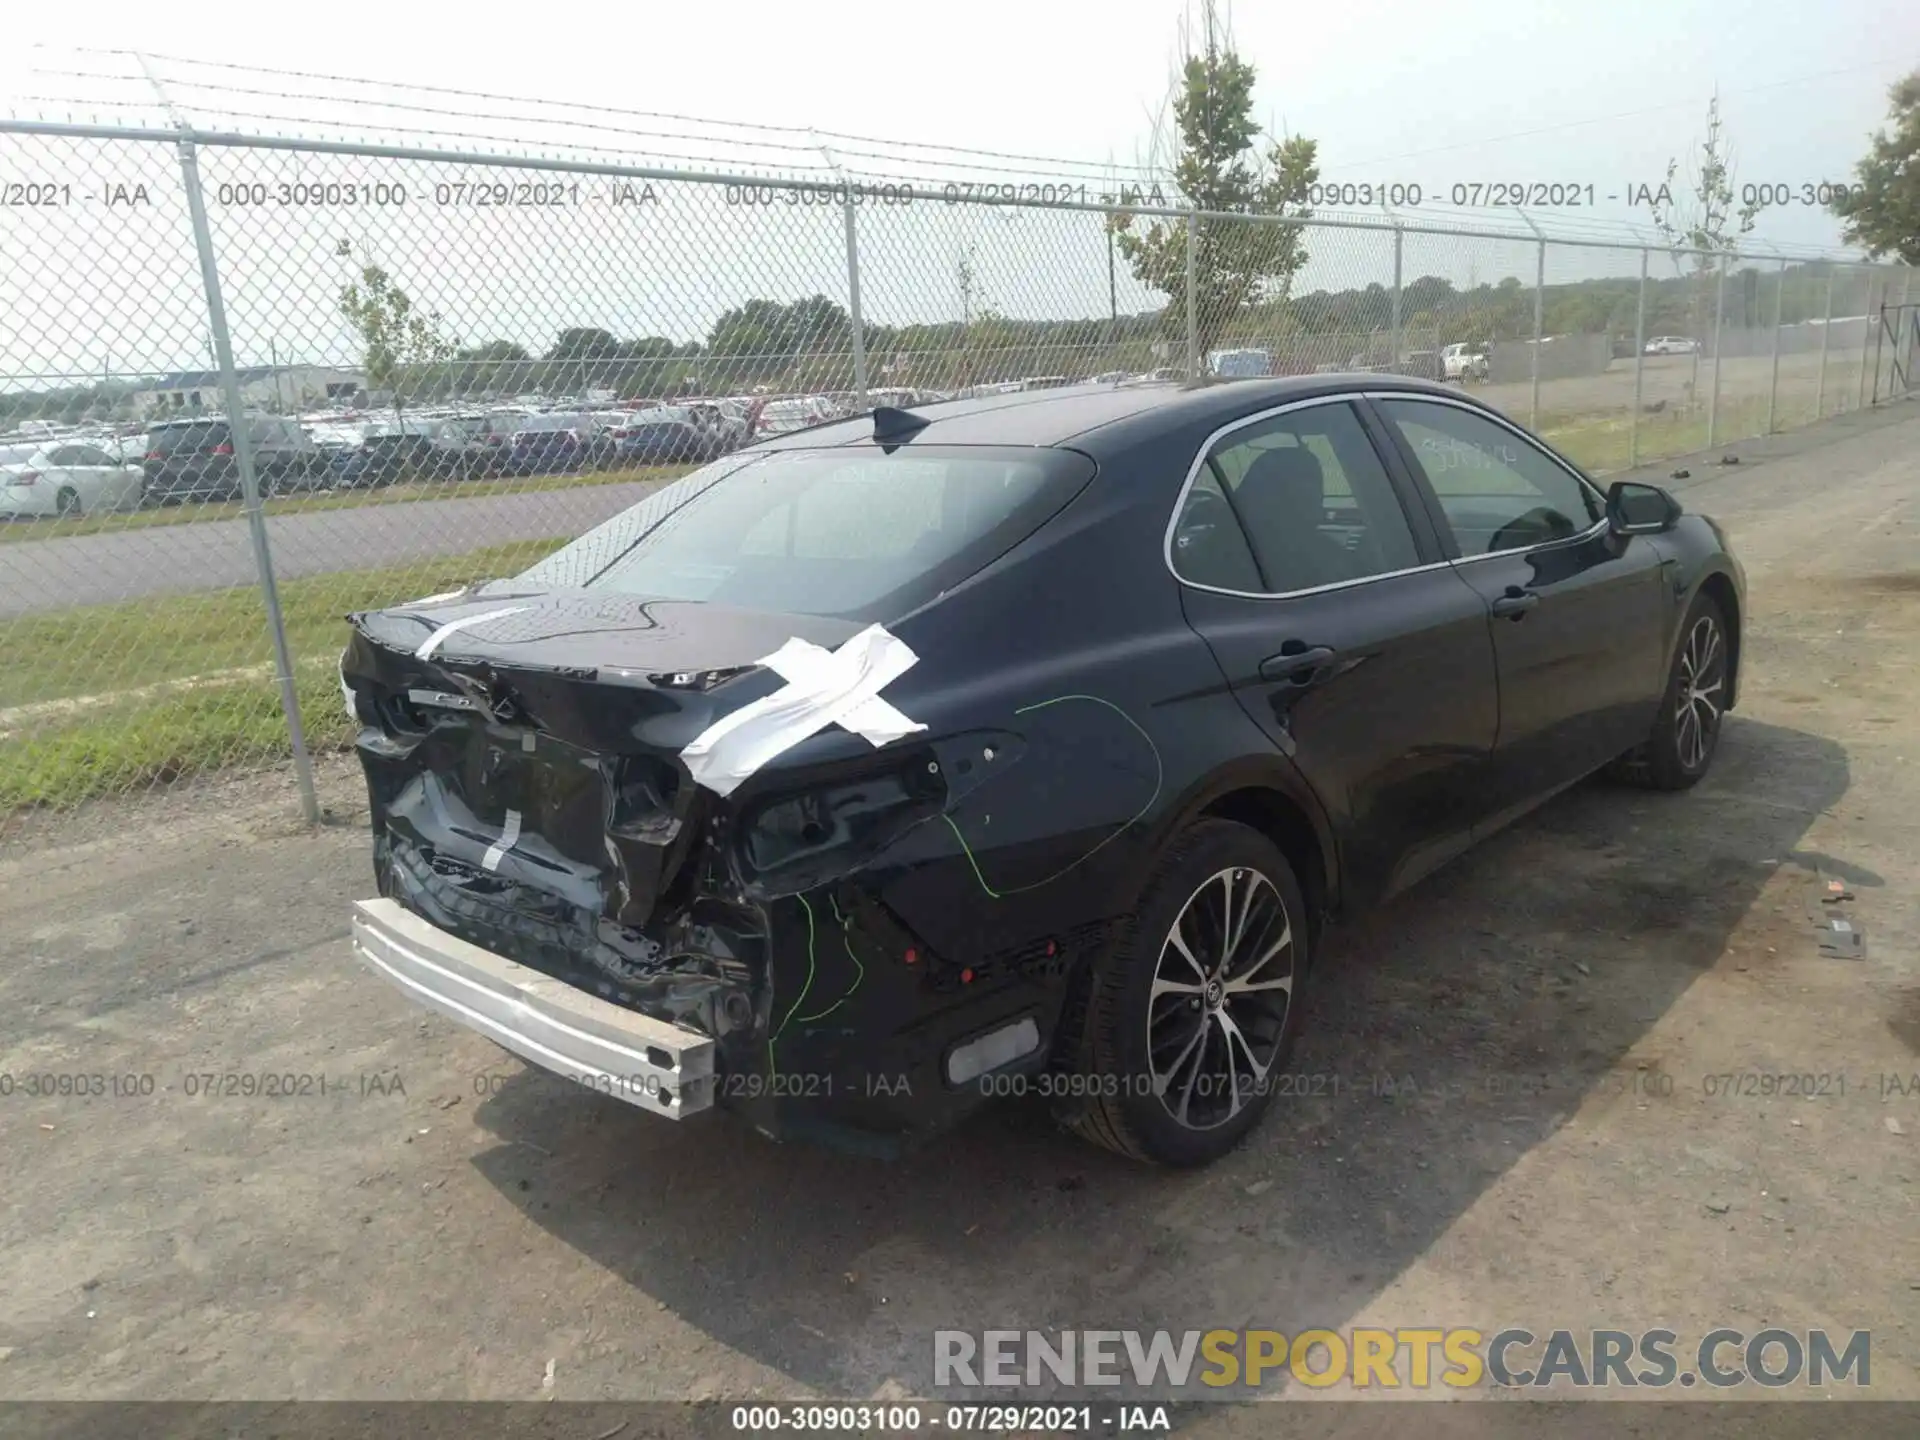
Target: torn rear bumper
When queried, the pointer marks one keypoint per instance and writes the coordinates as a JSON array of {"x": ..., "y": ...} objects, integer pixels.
[{"x": 657, "y": 1066}]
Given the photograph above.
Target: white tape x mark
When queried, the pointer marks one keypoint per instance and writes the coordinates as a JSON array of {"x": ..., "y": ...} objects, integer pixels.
[
  {"x": 432, "y": 642},
  {"x": 824, "y": 687}
]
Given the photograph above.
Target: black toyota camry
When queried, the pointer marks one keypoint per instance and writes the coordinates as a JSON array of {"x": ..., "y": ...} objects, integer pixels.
[{"x": 1019, "y": 745}]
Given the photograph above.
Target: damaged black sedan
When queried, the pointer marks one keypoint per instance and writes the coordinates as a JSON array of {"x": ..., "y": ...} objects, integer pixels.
[{"x": 1021, "y": 745}]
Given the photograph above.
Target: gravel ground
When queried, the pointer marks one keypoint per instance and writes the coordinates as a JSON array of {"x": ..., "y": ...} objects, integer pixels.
[{"x": 446, "y": 1223}]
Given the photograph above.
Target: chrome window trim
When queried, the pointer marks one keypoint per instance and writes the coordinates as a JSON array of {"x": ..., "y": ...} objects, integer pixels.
[
  {"x": 1586, "y": 485},
  {"x": 1347, "y": 397}
]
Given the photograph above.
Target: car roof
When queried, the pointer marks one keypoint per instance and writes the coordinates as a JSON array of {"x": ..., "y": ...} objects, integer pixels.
[{"x": 1054, "y": 417}]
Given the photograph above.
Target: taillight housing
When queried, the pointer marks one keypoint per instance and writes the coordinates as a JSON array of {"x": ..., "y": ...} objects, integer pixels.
[
  {"x": 156, "y": 455},
  {"x": 25, "y": 477},
  {"x": 223, "y": 448}
]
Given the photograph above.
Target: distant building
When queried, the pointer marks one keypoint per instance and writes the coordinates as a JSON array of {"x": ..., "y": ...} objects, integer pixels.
[{"x": 262, "y": 387}]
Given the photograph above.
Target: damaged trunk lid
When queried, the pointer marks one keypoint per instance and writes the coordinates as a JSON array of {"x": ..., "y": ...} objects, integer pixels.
[{"x": 530, "y": 741}]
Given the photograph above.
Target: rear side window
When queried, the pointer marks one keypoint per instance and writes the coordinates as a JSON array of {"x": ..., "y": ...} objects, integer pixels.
[
  {"x": 853, "y": 533},
  {"x": 1310, "y": 502}
]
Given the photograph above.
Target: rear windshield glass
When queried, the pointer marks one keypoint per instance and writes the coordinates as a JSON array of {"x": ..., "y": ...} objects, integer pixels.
[
  {"x": 550, "y": 422},
  {"x": 852, "y": 533},
  {"x": 205, "y": 436}
]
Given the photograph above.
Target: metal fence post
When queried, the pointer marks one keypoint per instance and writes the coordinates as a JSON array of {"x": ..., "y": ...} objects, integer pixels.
[
  {"x": 1397, "y": 238},
  {"x": 1639, "y": 365},
  {"x": 1826, "y": 337},
  {"x": 1193, "y": 285},
  {"x": 1719, "y": 313},
  {"x": 1879, "y": 340},
  {"x": 1900, "y": 367},
  {"x": 853, "y": 304},
  {"x": 1539, "y": 320},
  {"x": 1773, "y": 386},
  {"x": 1860, "y": 398},
  {"x": 249, "y": 480}
]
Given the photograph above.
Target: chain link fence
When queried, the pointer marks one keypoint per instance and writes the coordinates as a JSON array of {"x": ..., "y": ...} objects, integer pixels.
[{"x": 249, "y": 386}]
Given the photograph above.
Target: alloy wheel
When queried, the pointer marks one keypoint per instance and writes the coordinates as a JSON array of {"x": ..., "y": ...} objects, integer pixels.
[
  {"x": 1703, "y": 673},
  {"x": 1221, "y": 991}
]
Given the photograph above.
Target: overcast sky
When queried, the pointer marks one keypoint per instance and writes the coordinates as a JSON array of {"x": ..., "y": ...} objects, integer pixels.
[
  {"x": 1432, "y": 95},
  {"x": 1601, "y": 93}
]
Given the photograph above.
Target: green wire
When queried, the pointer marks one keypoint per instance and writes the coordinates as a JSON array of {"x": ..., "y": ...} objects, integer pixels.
[
  {"x": 798, "y": 999},
  {"x": 860, "y": 970},
  {"x": 1159, "y": 779}
]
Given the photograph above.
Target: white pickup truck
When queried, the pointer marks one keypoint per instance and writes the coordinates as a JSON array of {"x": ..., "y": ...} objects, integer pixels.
[{"x": 1464, "y": 362}]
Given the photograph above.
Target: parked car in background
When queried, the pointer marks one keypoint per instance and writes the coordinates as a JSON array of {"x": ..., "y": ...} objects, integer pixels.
[
  {"x": 665, "y": 435},
  {"x": 469, "y": 447},
  {"x": 1672, "y": 345},
  {"x": 66, "y": 478},
  {"x": 780, "y": 417},
  {"x": 557, "y": 442},
  {"x": 721, "y": 432},
  {"x": 195, "y": 460},
  {"x": 1464, "y": 362},
  {"x": 393, "y": 449},
  {"x": 1240, "y": 364}
]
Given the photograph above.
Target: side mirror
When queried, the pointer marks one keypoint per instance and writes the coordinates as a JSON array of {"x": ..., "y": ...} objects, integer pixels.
[{"x": 1634, "y": 509}]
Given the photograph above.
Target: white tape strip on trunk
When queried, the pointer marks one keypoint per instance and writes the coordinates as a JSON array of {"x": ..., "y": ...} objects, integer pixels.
[
  {"x": 432, "y": 642},
  {"x": 824, "y": 687}
]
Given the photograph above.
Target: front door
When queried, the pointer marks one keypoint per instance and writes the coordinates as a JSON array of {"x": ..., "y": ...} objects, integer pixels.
[{"x": 1578, "y": 615}]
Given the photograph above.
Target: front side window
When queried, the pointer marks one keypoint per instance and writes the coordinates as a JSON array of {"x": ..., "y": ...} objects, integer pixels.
[
  {"x": 1497, "y": 490},
  {"x": 1311, "y": 503}
]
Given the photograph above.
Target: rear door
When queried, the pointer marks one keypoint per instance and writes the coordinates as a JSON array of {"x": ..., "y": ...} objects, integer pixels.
[
  {"x": 1317, "y": 580},
  {"x": 1578, "y": 615},
  {"x": 108, "y": 484}
]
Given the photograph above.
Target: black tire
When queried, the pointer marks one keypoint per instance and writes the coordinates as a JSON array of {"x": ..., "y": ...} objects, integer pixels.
[
  {"x": 1157, "y": 1057},
  {"x": 66, "y": 503},
  {"x": 1679, "y": 750}
]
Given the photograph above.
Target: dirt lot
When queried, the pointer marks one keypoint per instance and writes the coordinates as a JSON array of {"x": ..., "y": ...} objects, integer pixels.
[{"x": 449, "y": 1224}]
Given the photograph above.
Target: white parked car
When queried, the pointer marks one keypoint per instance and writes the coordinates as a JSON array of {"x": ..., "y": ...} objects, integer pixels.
[
  {"x": 781, "y": 416},
  {"x": 66, "y": 478},
  {"x": 1672, "y": 345},
  {"x": 1464, "y": 361}
]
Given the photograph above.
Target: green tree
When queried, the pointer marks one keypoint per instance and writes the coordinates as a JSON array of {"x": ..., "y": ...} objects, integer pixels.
[
  {"x": 495, "y": 366},
  {"x": 762, "y": 339},
  {"x": 1700, "y": 217},
  {"x": 1237, "y": 264},
  {"x": 402, "y": 343},
  {"x": 584, "y": 356},
  {"x": 1882, "y": 209}
]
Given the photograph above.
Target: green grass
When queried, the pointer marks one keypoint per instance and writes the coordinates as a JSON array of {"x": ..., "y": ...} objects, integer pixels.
[
  {"x": 176, "y": 686},
  {"x": 402, "y": 493},
  {"x": 1604, "y": 444}
]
